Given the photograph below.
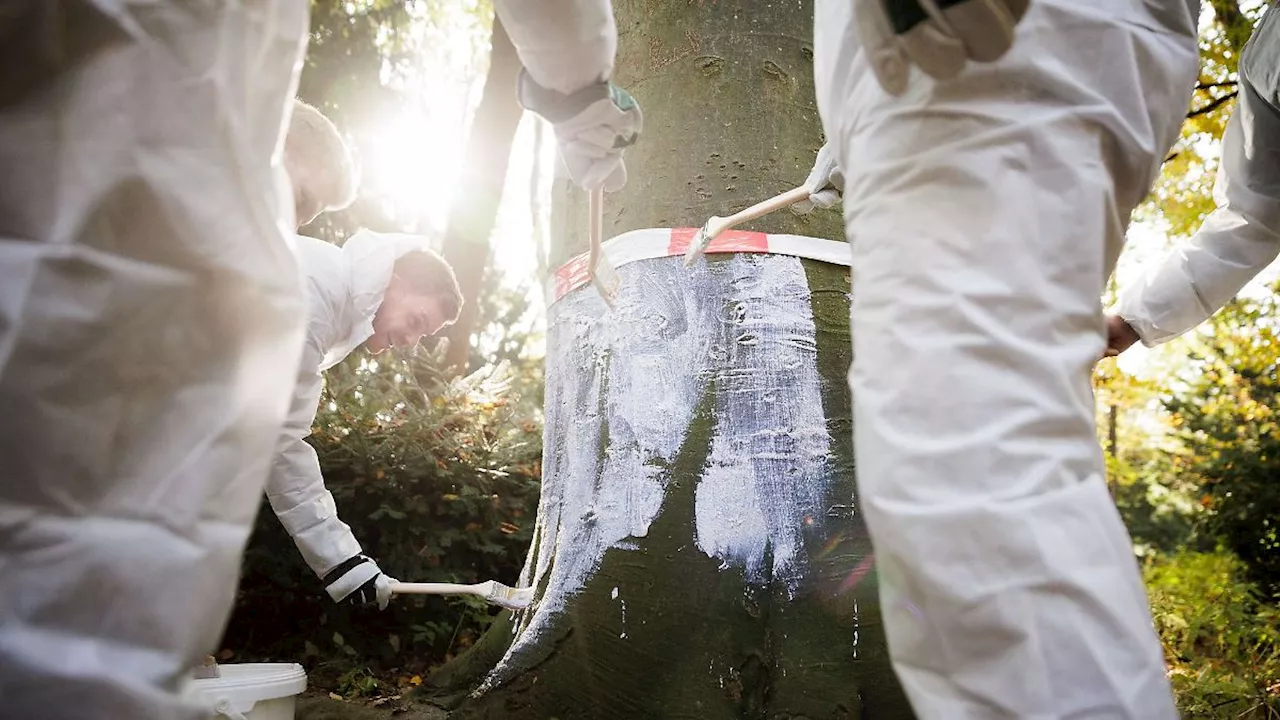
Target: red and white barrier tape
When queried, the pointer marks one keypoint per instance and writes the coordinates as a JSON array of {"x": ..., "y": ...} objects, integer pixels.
[{"x": 655, "y": 243}]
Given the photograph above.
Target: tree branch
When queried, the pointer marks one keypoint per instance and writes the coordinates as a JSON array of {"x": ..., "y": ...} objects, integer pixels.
[
  {"x": 1210, "y": 85},
  {"x": 1212, "y": 105}
]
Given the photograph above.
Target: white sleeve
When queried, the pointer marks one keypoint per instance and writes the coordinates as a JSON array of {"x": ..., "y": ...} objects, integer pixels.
[
  {"x": 1236, "y": 242},
  {"x": 295, "y": 487},
  {"x": 565, "y": 45}
]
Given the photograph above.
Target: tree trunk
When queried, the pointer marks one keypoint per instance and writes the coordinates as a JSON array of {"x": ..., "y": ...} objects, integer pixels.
[
  {"x": 698, "y": 551},
  {"x": 475, "y": 206},
  {"x": 1111, "y": 430}
]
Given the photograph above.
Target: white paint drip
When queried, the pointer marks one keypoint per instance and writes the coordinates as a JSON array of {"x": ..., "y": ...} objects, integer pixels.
[
  {"x": 651, "y": 360},
  {"x": 857, "y": 627}
]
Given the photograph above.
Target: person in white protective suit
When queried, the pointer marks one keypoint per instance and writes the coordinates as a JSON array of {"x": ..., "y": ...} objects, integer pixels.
[
  {"x": 1238, "y": 239},
  {"x": 377, "y": 291},
  {"x": 567, "y": 48},
  {"x": 986, "y": 203},
  {"x": 151, "y": 318},
  {"x": 348, "y": 293},
  {"x": 150, "y": 327}
]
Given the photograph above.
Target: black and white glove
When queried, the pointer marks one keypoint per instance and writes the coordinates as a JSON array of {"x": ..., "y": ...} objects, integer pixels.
[
  {"x": 940, "y": 36},
  {"x": 593, "y": 126},
  {"x": 359, "y": 581},
  {"x": 825, "y": 183}
]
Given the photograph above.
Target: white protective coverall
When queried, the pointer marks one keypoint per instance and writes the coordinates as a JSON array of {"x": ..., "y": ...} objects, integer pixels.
[
  {"x": 1242, "y": 236},
  {"x": 985, "y": 214},
  {"x": 150, "y": 324},
  {"x": 564, "y": 44},
  {"x": 345, "y": 287},
  {"x": 567, "y": 48}
]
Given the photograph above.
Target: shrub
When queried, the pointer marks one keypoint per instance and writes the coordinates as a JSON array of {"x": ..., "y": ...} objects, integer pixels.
[
  {"x": 1221, "y": 641},
  {"x": 1161, "y": 516},
  {"x": 1224, "y": 414}
]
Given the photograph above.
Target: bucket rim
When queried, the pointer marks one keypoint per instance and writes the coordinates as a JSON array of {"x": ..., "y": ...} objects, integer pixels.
[{"x": 254, "y": 682}]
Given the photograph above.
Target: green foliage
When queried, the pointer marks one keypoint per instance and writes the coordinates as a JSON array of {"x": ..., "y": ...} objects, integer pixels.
[
  {"x": 1160, "y": 515},
  {"x": 358, "y": 682},
  {"x": 1225, "y": 416},
  {"x": 437, "y": 477},
  {"x": 1160, "y": 507},
  {"x": 1222, "y": 643},
  {"x": 441, "y": 464}
]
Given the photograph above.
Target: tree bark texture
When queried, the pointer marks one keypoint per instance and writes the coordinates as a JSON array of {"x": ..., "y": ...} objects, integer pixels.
[
  {"x": 698, "y": 550},
  {"x": 729, "y": 118}
]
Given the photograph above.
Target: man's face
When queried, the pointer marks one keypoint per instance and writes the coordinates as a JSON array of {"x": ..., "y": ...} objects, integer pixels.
[
  {"x": 403, "y": 319},
  {"x": 306, "y": 202}
]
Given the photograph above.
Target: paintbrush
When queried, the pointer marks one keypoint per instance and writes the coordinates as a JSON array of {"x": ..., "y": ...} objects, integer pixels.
[
  {"x": 601, "y": 271},
  {"x": 717, "y": 224},
  {"x": 492, "y": 591}
]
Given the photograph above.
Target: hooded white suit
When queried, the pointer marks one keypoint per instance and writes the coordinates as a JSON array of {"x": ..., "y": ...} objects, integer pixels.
[
  {"x": 985, "y": 213},
  {"x": 150, "y": 324},
  {"x": 345, "y": 286}
]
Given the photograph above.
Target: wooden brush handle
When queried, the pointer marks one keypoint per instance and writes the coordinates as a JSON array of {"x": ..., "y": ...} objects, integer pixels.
[
  {"x": 404, "y": 588},
  {"x": 595, "y": 229},
  {"x": 764, "y": 207}
]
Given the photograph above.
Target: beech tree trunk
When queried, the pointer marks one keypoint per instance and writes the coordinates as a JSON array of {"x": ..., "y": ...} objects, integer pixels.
[{"x": 698, "y": 550}]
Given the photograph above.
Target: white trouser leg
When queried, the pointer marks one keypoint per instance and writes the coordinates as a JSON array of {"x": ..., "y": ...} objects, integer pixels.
[
  {"x": 985, "y": 214},
  {"x": 150, "y": 329}
]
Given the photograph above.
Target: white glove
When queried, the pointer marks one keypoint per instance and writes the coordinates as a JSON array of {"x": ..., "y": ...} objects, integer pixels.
[
  {"x": 592, "y": 126},
  {"x": 825, "y": 183},
  {"x": 940, "y": 36},
  {"x": 359, "y": 581}
]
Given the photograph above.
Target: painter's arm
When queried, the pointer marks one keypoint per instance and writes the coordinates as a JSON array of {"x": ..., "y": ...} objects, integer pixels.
[
  {"x": 296, "y": 490},
  {"x": 567, "y": 48},
  {"x": 1235, "y": 242},
  {"x": 565, "y": 45}
]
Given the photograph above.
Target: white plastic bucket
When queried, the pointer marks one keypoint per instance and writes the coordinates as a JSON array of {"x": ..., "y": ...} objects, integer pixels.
[{"x": 253, "y": 691}]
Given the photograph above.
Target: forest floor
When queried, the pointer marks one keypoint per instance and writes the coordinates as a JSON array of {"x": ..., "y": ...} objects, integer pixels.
[
  {"x": 361, "y": 695},
  {"x": 320, "y": 705}
]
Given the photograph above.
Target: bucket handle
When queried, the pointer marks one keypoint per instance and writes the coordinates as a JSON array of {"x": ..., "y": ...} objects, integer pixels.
[{"x": 224, "y": 709}]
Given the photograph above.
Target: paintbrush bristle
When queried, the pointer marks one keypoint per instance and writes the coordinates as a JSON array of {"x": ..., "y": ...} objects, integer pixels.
[
  {"x": 607, "y": 282},
  {"x": 697, "y": 245},
  {"x": 509, "y": 597}
]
